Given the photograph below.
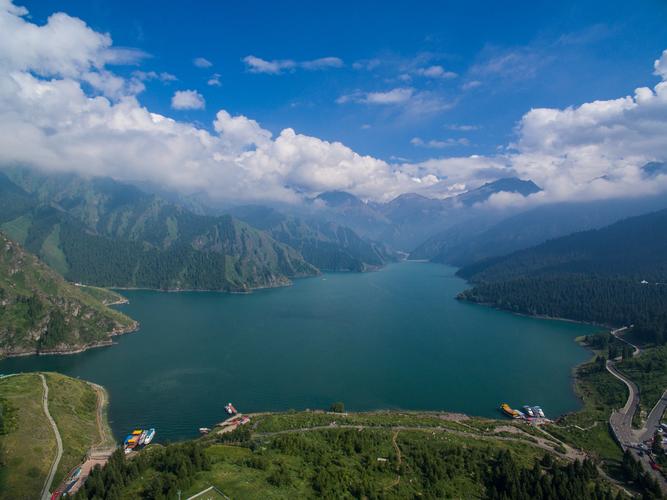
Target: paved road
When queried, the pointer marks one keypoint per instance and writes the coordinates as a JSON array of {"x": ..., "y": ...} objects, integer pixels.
[
  {"x": 654, "y": 418},
  {"x": 59, "y": 442},
  {"x": 621, "y": 420}
]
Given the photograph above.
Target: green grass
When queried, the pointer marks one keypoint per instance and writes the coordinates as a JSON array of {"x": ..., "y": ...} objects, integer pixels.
[
  {"x": 51, "y": 252},
  {"x": 104, "y": 295},
  {"x": 306, "y": 419},
  {"x": 600, "y": 393},
  {"x": 18, "y": 228},
  {"x": 73, "y": 405},
  {"x": 28, "y": 449}
]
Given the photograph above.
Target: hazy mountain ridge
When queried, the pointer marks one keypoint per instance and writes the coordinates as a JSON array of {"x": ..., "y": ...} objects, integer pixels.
[
  {"x": 41, "y": 312},
  {"x": 615, "y": 275},
  {"x": 410, "y": 219},
  {"x": 324, "y": 244},
  {"x": 464, "y": 244}
]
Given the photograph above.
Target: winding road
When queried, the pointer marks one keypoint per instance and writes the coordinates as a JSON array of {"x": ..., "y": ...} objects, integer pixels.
[
  {"x": 620, "y": 421},
  {"x": 54, "y": 466}
]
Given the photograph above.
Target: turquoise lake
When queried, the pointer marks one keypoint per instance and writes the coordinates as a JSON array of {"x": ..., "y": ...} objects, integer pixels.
[{"x": 394, "y": 339}]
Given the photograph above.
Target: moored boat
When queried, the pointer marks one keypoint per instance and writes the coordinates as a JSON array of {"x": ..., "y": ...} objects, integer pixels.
[
  {"x": 509, "y": 411},
  {"x": 150, "y": 434}
]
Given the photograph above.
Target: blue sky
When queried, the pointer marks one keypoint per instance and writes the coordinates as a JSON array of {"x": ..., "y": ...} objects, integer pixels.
[{"x": 527, "y": 55}]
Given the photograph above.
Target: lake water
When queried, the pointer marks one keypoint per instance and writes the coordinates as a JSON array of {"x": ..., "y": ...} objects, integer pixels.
[{"x": 396, "y": 338}]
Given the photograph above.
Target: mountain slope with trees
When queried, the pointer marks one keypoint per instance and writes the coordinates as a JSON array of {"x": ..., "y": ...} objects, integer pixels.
[
  {"x": 43, "y": 313},
  {"x": 101, "y": 232},
  {"x": 615, "y": 275}
]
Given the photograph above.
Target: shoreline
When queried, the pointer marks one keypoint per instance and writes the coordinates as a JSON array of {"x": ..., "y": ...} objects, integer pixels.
[{"x": 78, "y": 349}]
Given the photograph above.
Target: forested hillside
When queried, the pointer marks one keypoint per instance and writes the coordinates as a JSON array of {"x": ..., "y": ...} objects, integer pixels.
[
  {"x": 101, "y": 232},
  {"x": 326, "y": 245},
  {"x": 616, "y": 275},
  {"x": 41, "y": 312}
]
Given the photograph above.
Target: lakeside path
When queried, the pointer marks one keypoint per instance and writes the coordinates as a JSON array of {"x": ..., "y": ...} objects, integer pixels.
[
  {"x": 99, "y": 453},
  {"x": 54, "y": 466}
]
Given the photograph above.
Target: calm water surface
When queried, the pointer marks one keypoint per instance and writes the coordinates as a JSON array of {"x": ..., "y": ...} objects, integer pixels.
[{"x": 396, "y": 338}]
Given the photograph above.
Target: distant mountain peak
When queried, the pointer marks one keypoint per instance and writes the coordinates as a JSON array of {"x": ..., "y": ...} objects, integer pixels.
[
  {"x": 653, "y": 168},
  {"x": 338, "y": 198},
  {"x": 506, "y": 184}
]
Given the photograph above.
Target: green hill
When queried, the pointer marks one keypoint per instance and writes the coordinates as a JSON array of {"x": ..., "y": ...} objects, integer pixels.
[
  {"x": 364, "y": 455},
  {"x": 42, "y": 313},
  {"x": 27, "y": 441},
  {"x": 101, "y": 232},
  {"x": 615, "y": 275}
]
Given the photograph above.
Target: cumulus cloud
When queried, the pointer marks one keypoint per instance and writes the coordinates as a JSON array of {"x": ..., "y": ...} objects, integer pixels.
[
  {"x": 201, "y": 62},
  {"x": 187, "y": 99},
  {"x": 277, "y": 66},
  {"x": 61, "y": 109}
]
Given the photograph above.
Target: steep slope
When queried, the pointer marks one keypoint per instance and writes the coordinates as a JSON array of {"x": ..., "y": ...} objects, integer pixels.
[
  {"x": 42, "y": 313},
  {"x": 326, "y": 245},
  {"x": 614, "y": 275},
  {"x": 102, "y": 232}
]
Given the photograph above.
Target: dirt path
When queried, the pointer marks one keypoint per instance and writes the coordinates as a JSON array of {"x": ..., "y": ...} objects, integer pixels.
[
  {"x": 399, "y": 459},
  {"x": 529, "y": 439},
  {"x": 54, "y": 466}
]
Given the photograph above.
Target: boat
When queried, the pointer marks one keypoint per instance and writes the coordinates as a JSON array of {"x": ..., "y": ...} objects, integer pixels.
[
  {"x": 137, "y": 432},
  {"x": 510, "y": 412},
  {"x": 539, "y": 411},
  {"x": 204, "y": 430},
  {"x": 229, "y": 408},
  {"x": 150, "y": 434},
  {"x": 529, "y": 411},
  {"x": 142, "y": 438}
]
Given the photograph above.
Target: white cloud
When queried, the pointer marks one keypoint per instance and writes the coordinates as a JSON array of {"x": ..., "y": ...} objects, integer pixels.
[
  {"x": 436, "y": 71},
  {"x": 201, "y": 62},
  {"x": 187, "y": 99},
  {"x": 661, "y": 66},
  {"x": 408, "y": 99},
  {"x": 277, "y": 66},
  {"x": 61, "y": 109},
  {"x": 153, "y": 75},
  {"x": 462, "y": 128},
  {"x": 322, "y": 63},
  {"x": 472, "y": 84},
  {"x": 439, "y": 144},
  {"x": 214, "y": 81}
]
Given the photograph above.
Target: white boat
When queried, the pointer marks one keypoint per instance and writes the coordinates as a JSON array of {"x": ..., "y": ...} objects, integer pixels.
[
  {"x": 142, "y": 438},
  {"x": 529, "y": 411},
  {"x": 539, "y": 411},
  {"x": 150, "y": 434}
]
